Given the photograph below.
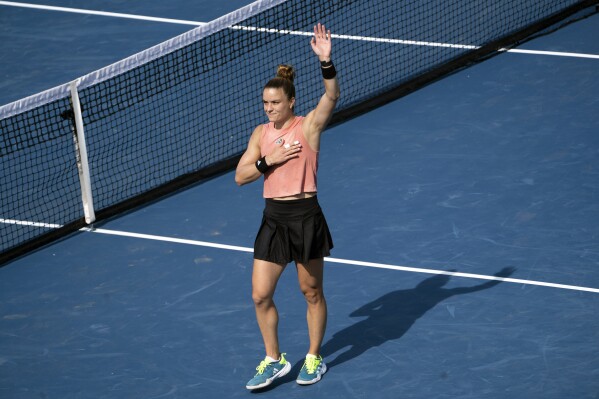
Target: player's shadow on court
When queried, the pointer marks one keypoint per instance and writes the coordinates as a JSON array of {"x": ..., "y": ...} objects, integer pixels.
[{"x": 391, "y": 316}]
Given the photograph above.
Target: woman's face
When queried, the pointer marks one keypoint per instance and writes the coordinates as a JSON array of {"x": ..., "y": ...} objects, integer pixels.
[{"x": 277, "y": 106}]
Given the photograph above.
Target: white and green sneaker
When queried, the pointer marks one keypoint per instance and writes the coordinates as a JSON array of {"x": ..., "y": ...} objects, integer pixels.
[
  {"x": 268, "y": 371},
  {"x": 312, "y": 370}
]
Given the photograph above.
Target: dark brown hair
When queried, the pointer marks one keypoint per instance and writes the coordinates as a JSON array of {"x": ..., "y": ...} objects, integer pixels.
[{"x": 283, "y": 80}]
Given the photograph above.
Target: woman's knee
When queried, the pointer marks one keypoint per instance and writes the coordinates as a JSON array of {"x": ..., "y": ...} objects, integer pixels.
[
  {"x": 264, "y": 281},
  {"x": 261, "y": 298},
  {"x": 313, "y": 295}
]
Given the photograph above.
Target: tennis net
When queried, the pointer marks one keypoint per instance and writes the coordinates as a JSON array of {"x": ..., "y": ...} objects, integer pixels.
[{"x": 183, "y": 110}]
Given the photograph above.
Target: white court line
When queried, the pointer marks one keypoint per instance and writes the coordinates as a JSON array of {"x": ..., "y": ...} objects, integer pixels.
[
  {"x": 346, "y": 261},
  {"x": 328, "y": 259},
  {"x": 358, "y": 38},
  {"x": 167, "y": 239},
  {"x": 553, "y": 53},
  {"x": 278, "y": 31},
  {"x": 101, "y": 13}
]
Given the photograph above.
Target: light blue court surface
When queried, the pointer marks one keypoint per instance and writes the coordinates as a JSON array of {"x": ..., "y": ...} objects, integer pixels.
[{"x": 491, "y": 171}]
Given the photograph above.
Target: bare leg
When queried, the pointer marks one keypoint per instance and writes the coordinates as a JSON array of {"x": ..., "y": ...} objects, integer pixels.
[
  {"x": 265, "y": 276},
  {"x": 310, "y": 278}
]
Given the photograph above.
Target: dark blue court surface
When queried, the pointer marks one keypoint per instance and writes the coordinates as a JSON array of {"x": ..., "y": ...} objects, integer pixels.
[
  {"x": 42, "y": 49},
  {"x": 493, "y": 171}
]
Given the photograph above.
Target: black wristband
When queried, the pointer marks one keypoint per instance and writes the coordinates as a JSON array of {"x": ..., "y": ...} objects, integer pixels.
[
  {"x": 328, "y": 69},
  {"x": 261, "y": 165}
]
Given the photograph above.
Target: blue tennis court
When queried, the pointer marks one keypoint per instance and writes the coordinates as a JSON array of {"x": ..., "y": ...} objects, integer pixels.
[{"x": 465, "y": 218}]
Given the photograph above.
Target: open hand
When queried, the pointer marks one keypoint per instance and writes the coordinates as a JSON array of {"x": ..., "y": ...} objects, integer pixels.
[
  {"x": 283, "y": 153},
  {"x": 321, "y": 42}
]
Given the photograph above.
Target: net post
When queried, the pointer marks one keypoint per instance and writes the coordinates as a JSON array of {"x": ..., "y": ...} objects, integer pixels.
[{"x": 81, "y": 153}]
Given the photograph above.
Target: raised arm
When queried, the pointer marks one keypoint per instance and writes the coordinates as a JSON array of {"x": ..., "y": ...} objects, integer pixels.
[{"x": 317, "y": 120}]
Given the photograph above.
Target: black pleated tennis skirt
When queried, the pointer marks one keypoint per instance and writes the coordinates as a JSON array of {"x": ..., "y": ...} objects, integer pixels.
[{"x": 293, "y": 230}]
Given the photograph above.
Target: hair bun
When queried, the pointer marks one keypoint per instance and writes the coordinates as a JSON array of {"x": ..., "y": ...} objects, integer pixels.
[{"x": 286, "y": 72}]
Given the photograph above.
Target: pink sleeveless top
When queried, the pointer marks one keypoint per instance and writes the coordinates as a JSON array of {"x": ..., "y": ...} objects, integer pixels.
[{"x": 297, "y": 175}]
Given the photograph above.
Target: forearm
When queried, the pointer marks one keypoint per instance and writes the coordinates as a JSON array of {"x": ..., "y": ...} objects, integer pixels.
[
  {"x": 329, "y": 75},
  {"x": 246, "y": 174},
  {"x": 331, "y": 89}
]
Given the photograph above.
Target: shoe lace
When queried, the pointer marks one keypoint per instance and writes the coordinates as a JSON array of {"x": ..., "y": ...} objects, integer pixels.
[
  {"x": 262, "y": 366},
  {"x": 311, "y": 364}
]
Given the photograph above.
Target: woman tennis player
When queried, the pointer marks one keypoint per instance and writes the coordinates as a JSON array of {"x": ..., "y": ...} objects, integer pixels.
[{"x": 285, "y": 151}]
